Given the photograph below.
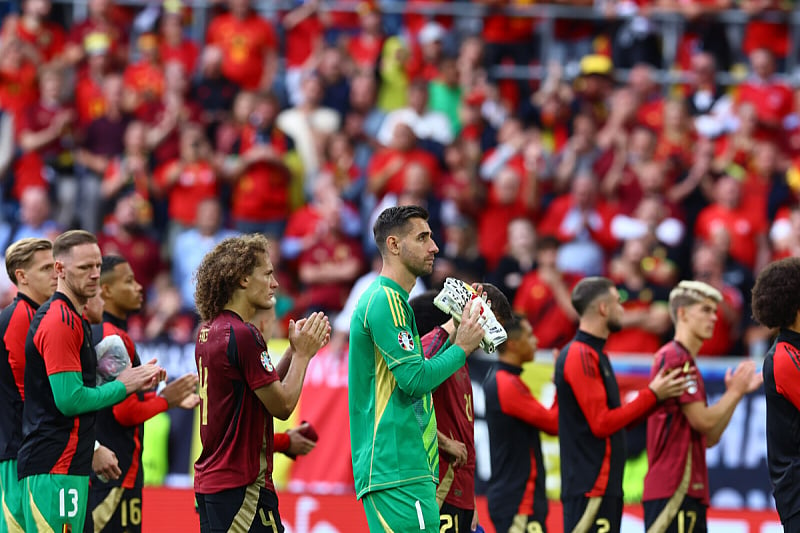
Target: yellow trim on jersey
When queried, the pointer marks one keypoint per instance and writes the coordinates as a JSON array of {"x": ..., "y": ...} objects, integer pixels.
[
  {"x": 386, "y": 528},
  {"x": 385, "y": 384},
  {"x": 395, "y": 302},
  {"x": 41, "y": 522},
  {"x": 101, "y": 515}
]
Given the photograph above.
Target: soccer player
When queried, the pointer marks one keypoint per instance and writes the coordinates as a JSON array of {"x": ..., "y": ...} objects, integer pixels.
[
  {"x": 775, "y": 305},
  {"x": 29, "y": 263},
  {"x": 679, "y": 430},
  {"x": 516, "y": 492},
  {"x": 455, "y": 427},
  {"x": 392, "y": 422},
  {"x": 590, "y": 415},
  {"x": 116, "y": 505},
  {"x": 61, "y": 396},
  {"x": 240, "y": 388}
]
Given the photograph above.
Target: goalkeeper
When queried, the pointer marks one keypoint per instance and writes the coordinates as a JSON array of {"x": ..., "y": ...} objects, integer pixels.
[{"x": 392, "y": 422}]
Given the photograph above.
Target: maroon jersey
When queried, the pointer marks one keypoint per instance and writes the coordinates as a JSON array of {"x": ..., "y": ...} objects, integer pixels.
[
  {"x": 453, "y": 404},
  {"x": 235, "y": 428},
  {"x": 670, "y": 438}
]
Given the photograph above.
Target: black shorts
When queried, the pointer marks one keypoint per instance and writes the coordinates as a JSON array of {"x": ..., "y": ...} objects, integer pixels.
[
  {"x": 603, "y": 518},
  {"x": 250, "y": 508},
  {"x": 520, "y": 523},
  {"x": 690, "y": 517},
  {"x": 454, "y": 519},
  {"x": 115, "y": 510}
]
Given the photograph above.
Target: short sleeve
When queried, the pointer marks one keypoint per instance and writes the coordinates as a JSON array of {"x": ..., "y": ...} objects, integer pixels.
[
  {"x": 59, "y": 338},
  {"x": 672, "y": 358},
  {"x": 254, "y": 361}
]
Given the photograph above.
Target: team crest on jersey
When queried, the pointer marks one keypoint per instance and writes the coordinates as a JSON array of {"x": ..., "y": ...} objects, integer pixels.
[
  {"x": 406, "y": 341},
  {"x": 266, "y": 362}
]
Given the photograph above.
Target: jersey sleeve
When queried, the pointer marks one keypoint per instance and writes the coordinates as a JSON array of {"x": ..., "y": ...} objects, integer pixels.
[
  {"x": 73, "y": 398},
  {"x": 392, "y": 327},
  {"x": 516, "y": 400},
  {"x": 134, "y": 411},
  {"x": 582, "y": 371},
  {"x": 434, "y": 341},
  {"x": 787, "y": 375},
  {"x": 59, "y": 339},
  {"x": 669, "y": 359},
  {"x": 253, "y": 357}
]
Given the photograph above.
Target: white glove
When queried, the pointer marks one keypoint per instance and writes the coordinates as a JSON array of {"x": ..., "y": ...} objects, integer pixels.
[{"x": 452, "y": 299}]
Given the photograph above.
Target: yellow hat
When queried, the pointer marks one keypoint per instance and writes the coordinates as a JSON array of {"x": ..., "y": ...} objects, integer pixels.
[
  {"x": 596, "y": 64},
  {"x": 96, "y": 43}
]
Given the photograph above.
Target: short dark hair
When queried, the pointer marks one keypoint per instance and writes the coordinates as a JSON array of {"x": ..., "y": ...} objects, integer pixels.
[
  {"x": 513, "y": 327},
  {"x": 393, "y": 219},
  {"x": 20, "y": 255},
  {"x": 426, "y": 315},
  {"x": 110, "y": 262},
  {"x": 547, "y": 242},
  {"x": 68, "y": 240},
  {"x": 775, "y": 303},
  {"x": 501, "y": 307},
  {"x": 588, "y": 290}
]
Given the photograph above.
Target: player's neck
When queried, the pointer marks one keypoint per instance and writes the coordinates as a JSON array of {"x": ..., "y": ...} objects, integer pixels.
[
  {"x": 114, "y": 311},
  {"x": 688, "y": 340},
  {"x": 399, "y": 275},
  {"x": 239, "y": 305},
  {"x": 510, "y": 358},
  {"x": 22, "y": 289},
  {"x": 596, "y": 326},
  {"x": 78, "y": 302}
]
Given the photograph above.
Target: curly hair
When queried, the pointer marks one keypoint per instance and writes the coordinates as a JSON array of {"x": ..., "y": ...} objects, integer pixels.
[
  {"x": 222, "y": 270},
  {"x": 775, "y": 303}
]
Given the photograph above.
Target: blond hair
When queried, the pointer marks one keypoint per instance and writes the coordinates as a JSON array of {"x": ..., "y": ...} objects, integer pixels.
[
  {"x": 690, "y": 292},
  {"x": 20, "y": 255}
]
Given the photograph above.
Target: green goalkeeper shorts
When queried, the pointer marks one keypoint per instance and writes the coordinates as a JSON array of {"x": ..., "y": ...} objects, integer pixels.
[
  {"x": 55, "y": 502},
  {"x": 403, "y": 509},
  {"x": 11, "y": 519}
]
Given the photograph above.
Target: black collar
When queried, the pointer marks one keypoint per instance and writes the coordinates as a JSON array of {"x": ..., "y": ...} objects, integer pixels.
[
  {"x": 587, "y": 338},
  {"x": 792, "y": 337},
  {"x": 120, "y": 323},
  {"x": 27, "y": 300},
  {"x": 63, "y": 297},
  {"x": 501, "y": 365}
]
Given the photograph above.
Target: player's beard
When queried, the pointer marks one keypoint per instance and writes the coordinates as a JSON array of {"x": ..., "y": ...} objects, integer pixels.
[{"x": 614, "y": 325}]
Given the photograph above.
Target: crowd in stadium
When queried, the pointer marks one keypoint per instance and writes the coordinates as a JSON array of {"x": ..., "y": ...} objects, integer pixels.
[{"x": 305, "y": 124}]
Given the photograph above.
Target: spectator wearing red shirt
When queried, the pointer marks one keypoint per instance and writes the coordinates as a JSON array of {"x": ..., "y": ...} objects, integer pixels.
[
  {"x": 510, "y": 197},
  {"x": 773, "y": 36},
  {"x": 47, "y": 137},
  {"x": 89, "y": 100},
  {"x": 258, "y": 169},
  {"x": 736, "y": 148},
  {"x": 623, "y": 185},
  {"x": 249, "y": 45},
  {"x": 677, "y": 138},
  {"x": 48, "y": 38},
  {"x": 303, "y": 45},
  {"x": 18, "y": 84},
  {"x": 386, "y": 171},
  {"x": 772, "y": 99},
  {"x": 745, "y": 230},
  {"x": 213, "y": 93},
  {"x": 144, "y": 79},
  {"x": 581, "y": 154},
  {"x": 648, "y": 94},
  {"x": 165, "y": 116},
  {"x": 328, "y": 268},
  {"x": 172, "y": 44},
  {"x": 427, "y": 52},
  {"x": 364, "y": 48},
  {"x": 188, "y": 180},
  {"x": 762, "y": 181},
  {"x": 101, "y": 19},
  {"x": 707, "y": 266},
  {"x": 544, "y": 297},
  {"x": 126, "y": 235},
  {"x": 582, "y": 222},
  {"x": 646, "y": 317},
  {"x": 508, "y": 38}
]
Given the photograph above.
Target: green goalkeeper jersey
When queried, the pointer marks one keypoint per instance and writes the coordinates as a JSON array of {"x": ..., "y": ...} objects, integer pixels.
[{"x": 392, "y": 421}]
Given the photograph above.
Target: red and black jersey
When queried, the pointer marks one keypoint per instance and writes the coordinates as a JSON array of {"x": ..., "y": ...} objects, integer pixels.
[
  {"x": 782, "y": 387},
  {"x": 591, "y": 419},
  {"x": 121, "y": 428},
  {"x": 236, "y": 430},
  {"x": 14, "y": 323},
  {"x": 515, "y": 418},
  {"x": 59, "y": 340},
  {"x": 452, "y": 401},
  {"x": 671, "y": 439}
]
